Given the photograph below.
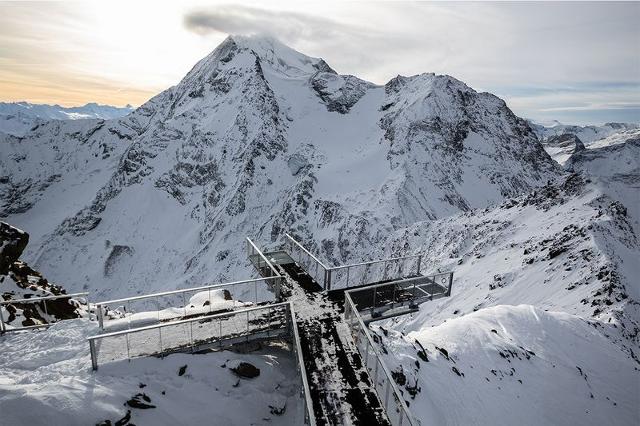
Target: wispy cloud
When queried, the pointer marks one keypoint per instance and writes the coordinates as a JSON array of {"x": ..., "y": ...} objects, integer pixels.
[{"x": 290, "y": 26}]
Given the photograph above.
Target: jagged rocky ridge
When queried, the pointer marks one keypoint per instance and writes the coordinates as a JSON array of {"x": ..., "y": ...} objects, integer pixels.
[{"x": 18, "y": 281}]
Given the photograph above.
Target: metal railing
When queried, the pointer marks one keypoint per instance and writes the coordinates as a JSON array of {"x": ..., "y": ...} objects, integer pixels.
[
  {"x": 316, "y": 269},
  {"x": 195, "y": 301},
  {"x": 359, "y": 274},
  {"x": 211, "y": 331},
  {"x": 44, "y": 306},
  {"x": 192, "y": 334},
  {"x": 379, "y": 298},
  {"x": 310, "y": 417},
  {"x": 356, "y": 274},
  {"x": 388, "y": 393},
  {"x": 260, "y": 261}
]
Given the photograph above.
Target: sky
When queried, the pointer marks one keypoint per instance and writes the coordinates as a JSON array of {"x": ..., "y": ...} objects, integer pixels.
[{"x": 578, "y": 63}]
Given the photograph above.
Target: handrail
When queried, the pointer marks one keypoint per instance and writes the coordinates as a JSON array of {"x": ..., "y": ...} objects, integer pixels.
[
  {"x": 371, "y": 262},
  {"x": 37, "y": 299},
  {"x": 397, "y": 282},
  {"x": 172, "y": 323},
  {"x": 365, "y": 329},
  {"x": 259, "y": 252},
  {"x": 185, "y": 290},
  {"x": 303, "y": 370},
  {"x": 44, "y": 299},
  {"x": 306, "y": 251}
]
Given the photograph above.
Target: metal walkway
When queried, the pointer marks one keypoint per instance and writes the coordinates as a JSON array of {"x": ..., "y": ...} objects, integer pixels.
[
  {"x": 348, "y": 380},
  {"x": 322, "y": 311}
]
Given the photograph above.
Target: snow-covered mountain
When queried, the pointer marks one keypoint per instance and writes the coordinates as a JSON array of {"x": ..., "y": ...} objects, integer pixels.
[
  {"x": 587, "y": 134},
  {"x": 561, "y": 140},
  {"x": 258, "y": 140},
  {"x": 17, "y": 118}
]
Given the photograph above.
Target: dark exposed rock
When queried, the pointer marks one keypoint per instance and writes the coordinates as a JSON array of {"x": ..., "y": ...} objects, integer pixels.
[
  {"x": 246, "y": 370},
  {"x": 12, "y": 243},
  {"x": 141, "y": 401},
  {"x": 278, "y": 411},
  {"x": 182, "y": 370}
]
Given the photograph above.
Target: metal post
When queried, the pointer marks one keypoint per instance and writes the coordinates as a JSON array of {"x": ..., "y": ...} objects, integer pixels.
[
  {"x": 255, "y": 290},
  {"x": 393, "y": 296},
  {"x": 191, "y": 335},
  {"x": 160, "y": 334},
  {"x": 46, "y": 312},
  {"x": 348, "y": 269},
  {"x": 450, "y": 284},
  {"x": 220, "y": 334},
  {"x": 2, "y": 327},
  {"x": 386, "y": 396},
  {"x": 366, "y": 351},
  {"x": 373, "y": 306},
  {"x": 375, "y": 376},
  {"x": 268, "y": 320},
  {"x": 128, "y": 350},
  {"x": 184, "y": 304},
  {"x": 419, "y": 262},
  {"x": 94, "y": 357},
  {"x": 128, "y": 311},
  {"x": 100, "y": 317}
]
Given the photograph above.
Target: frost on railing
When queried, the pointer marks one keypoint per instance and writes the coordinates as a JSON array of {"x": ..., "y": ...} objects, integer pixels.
[
  {"x": 42, "y": 311},
  {"x": 191, "y": 334},
  {"x": 184, "y": 303},
  {"x": 388, "y": 393}
]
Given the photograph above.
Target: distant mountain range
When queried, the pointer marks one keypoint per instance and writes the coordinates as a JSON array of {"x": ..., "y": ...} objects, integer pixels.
[
  {"x": 17, "y": 118},
  {"x": 563, "y": 140}
]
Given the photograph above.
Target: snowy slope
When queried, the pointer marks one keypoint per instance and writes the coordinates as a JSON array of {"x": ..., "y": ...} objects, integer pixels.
[
  {"x": 569, "y": 248},
  {"x": 510, "y": 365},
  {"x": 258, "y": 139},
  {"x": 17, "y": 118}
]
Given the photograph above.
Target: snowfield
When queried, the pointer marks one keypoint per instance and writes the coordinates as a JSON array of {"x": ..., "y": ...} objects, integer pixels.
[
  {"x": 47, "y": 379},
  {"x": 508, "y": 365}
]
